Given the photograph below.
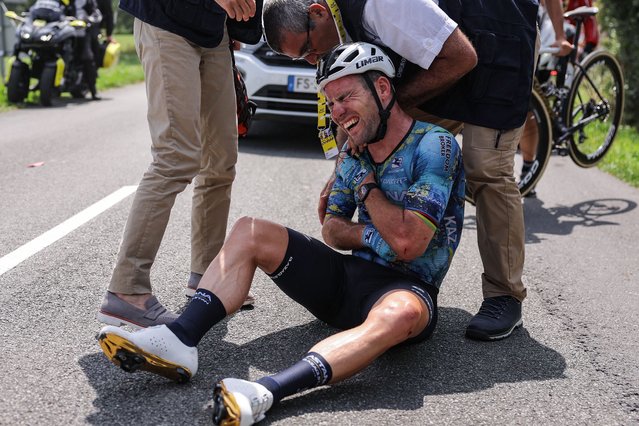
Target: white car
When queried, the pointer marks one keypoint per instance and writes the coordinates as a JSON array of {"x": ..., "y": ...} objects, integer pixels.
[{"x": 283, "y": 89}]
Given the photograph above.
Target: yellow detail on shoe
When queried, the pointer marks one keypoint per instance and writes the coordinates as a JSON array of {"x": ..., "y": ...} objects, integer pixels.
[
  {"x": 78, "y": 23},
  {"x": 111, "y": 343},
  {"x": 233, "y": 412}
]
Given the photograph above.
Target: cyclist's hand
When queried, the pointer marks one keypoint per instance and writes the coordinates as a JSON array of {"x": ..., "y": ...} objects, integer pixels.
[
  {"x": 240, "y": 10},
  {"x": 564, "y": 47},
  {"x": 323, "y": 199}
]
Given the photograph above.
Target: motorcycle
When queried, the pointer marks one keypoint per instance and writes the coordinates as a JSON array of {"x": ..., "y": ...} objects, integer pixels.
[{"x": 46, "y": 50}]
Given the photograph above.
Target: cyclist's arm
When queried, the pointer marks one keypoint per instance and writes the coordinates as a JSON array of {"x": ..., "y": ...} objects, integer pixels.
[{"x": 338, "y": 229}]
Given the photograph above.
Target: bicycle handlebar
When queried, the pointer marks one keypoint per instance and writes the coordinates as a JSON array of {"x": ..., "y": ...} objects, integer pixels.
[{"x": 548, "y": 50}]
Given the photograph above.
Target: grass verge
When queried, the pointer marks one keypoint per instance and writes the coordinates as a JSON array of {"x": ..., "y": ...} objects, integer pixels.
[{"x": 622, "y": 160}]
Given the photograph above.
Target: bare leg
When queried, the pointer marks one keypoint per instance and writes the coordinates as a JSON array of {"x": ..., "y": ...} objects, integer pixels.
[
  {"x": 252, "y": 243},
  {"x": 529, "y": 139},
  {"x": 397, "y": 316}
]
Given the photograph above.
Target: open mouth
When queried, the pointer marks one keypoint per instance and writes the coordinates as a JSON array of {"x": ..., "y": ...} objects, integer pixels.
[{"x": 350, "y": 123}]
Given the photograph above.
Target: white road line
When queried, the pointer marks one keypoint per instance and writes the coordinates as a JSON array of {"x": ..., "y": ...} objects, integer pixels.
[{"x": 54, "y": 234}]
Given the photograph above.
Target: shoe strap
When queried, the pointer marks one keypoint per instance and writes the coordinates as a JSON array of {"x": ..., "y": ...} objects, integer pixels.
[{"x": 155, "y": 311}]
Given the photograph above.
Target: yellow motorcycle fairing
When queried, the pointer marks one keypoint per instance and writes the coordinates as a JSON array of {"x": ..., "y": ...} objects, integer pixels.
[
  {"x": 59, "y": 72},
  {"x": 10, "y": 62},
  {"x": 78, "y": 23}
]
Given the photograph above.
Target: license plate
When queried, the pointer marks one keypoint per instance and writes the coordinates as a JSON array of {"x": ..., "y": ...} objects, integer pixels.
[{"x": 303, "y": 84}]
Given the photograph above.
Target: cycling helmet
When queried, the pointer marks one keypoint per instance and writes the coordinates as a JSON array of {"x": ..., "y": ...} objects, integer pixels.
[
  {"x": 359, "y": 58},
  {"x": 353, "y": 58}
]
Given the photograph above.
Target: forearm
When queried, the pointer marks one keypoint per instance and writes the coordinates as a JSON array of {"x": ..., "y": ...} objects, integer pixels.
[
  {"x": 456, "y": 59},
  {"x": 342, "y": 234},
  {"x": 556, "y": 15},
  {"x": 406, "y": 235}
]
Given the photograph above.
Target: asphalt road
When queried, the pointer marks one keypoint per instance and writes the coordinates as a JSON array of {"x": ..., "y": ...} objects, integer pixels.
[{"x": 575, "y": 361}]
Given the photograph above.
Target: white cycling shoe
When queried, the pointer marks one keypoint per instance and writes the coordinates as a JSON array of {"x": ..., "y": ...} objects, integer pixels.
[
  {"x": 239, "y": 402},
  {"x": 154, "y": 349}
]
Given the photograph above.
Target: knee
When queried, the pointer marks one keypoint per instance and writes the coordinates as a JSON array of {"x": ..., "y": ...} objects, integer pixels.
[
  {"x": 399, "y": 319},
  {"x": 244, "y": 229},
  {"x": 263, "y": 241}
]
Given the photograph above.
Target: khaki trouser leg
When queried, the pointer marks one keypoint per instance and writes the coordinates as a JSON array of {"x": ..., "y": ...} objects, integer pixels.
[
  {"x": 489, "y": 162},
  {"x": 172, "y": 74},
  {"x": 212, "y": 186}
]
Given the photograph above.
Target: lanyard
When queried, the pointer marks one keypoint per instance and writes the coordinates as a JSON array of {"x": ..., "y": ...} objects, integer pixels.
[{"x": 325, "y": 133}]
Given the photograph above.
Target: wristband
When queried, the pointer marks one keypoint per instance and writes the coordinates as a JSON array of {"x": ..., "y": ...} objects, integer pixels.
[{"x": 372, "y": 239}]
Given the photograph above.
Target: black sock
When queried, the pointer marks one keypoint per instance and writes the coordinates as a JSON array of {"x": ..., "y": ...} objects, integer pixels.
[
  {"x": 204, "y": 311},
  {"x": 311, "y": 371},
  {"x": 526, "y": 166}
]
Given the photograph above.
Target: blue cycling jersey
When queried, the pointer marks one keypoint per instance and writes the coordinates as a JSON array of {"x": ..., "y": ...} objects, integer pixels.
[{"x": 425, "y": 176}]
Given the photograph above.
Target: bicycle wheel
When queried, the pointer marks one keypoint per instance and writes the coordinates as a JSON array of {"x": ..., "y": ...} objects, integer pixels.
[
  {"x": 594, "y": 108},
  {"x": 536, "y": 137},
  {"x": 537, "y": 134}
]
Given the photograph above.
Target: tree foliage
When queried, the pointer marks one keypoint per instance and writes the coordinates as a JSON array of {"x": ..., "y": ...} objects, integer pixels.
[{"x": 619, "y": 21}]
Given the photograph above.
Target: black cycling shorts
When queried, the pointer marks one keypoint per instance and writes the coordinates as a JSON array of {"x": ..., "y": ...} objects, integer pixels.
[{"x": 341, "y": 289}]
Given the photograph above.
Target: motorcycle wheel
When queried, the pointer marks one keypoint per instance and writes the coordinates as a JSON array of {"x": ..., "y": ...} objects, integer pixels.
[
  {"x": 18, "y": 84},
  {"x": 47, "y": 88}
]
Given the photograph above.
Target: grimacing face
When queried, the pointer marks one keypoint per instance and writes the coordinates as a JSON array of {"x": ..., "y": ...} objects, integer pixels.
[{"x": 353, "y": 108}]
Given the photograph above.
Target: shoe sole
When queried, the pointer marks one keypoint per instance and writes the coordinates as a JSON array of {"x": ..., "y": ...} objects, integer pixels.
[
  {"x": 111, "y": 319},
  {"x": 477, "y": 335},
  {"x": 131, "y": 358},
  {"x": 226, "y": 411},
  {"x": 249, "y": 301}
]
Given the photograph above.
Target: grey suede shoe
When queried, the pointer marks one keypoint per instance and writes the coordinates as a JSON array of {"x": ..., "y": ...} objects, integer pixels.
[{"x": 115, "y": 311}]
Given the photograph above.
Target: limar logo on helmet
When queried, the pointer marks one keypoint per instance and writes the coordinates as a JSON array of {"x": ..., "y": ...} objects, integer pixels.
[{"x": 369, "y": 61}]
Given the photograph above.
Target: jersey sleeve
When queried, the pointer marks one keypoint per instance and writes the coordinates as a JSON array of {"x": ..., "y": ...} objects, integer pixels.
[
  {"x": 341, "y": 200},
  {"x": 415, "y": 29},
  {"x": 435, "y": 168}
]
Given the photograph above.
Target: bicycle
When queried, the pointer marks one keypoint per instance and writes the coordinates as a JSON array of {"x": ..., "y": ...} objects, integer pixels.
[{"x": 577, "y": 114}]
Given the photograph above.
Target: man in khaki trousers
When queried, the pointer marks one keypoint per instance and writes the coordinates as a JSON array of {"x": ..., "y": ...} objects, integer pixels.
[{"x": 192, "y": 121}]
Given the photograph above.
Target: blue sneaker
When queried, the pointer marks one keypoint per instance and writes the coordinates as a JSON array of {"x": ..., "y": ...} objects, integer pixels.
[{"x": 496, "y": 319}]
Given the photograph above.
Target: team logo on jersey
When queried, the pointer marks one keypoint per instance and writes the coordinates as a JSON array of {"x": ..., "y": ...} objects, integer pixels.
[
  {"x": 360, "y": 176},
  {"x": 397, "y": 162},
  {"x": 368, "y": 236}
]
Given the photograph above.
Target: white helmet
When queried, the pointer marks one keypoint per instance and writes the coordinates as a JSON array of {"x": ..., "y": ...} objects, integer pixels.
[{"x": 353, "y": 58}]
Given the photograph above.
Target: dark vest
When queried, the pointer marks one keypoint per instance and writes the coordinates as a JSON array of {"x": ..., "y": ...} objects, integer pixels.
[
  {"x": 496, "y": 92},
  {"x": 199, "y": 21}
]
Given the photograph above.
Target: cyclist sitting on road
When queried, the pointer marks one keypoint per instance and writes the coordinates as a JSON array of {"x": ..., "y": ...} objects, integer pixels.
[{"x": 405, "y": 179}]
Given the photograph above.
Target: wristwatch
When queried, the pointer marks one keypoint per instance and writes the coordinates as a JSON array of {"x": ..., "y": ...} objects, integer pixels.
[{"x": 364, "y": 190}]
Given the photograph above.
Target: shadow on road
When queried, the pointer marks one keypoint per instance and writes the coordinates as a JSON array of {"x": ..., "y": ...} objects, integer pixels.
[
  {"x": 399, "y": 380},
  {"x": 562, "y": 220},
  {"x": 280, "y": 139}
]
